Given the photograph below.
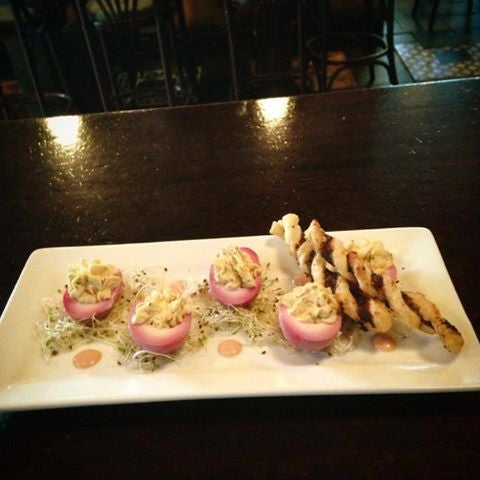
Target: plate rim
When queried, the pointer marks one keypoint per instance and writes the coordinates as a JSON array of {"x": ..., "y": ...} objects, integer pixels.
[{"x": 31, "y": 405}]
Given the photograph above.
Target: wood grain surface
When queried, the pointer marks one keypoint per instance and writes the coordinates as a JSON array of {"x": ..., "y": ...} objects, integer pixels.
[{"x": 392, "y": 157}]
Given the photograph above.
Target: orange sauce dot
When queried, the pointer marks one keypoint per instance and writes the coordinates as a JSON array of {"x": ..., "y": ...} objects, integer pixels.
[
  {"x": 87, "y": 358},
  {"x": 178, "y": 286},
  {"x": 300, "y": 279},
  {"x": 229, "y": 348},
  {"x": 384, "y": 342}
]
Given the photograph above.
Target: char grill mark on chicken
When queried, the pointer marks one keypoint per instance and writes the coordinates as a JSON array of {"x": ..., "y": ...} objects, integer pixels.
[
  {"x": 369, "y": 297},
  {"x": 324, "y": 258},
  {"x": 432, "y": 320},
  {"x": 362, "y": 274}
]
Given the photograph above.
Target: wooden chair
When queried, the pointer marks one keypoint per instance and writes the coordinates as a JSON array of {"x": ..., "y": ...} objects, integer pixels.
[
  {"x": 267, "y": 18},
  {"x": 369, "y": 28},
  {"x": 118, "y": 41},
  {"x": 36, "y": 26}
]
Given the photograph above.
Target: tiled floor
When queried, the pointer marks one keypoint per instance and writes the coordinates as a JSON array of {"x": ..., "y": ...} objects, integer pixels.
[
  {"x": 438, "y": 54},
  {"x": 452, "y": 25}
]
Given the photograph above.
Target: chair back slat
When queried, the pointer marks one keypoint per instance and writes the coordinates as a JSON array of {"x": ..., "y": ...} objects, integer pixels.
[
  {"x": 105, "y": 10},
  {"x": 118, "y": 10},
  {"x": 109, "y": 6}
]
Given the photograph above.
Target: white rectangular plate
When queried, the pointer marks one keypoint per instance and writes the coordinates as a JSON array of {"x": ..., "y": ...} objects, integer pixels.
[{"x": 420, "y": 363}]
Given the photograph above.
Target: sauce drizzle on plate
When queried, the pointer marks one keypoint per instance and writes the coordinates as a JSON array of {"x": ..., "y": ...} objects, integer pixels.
[
  {"x": 229, "y": 348},
  {"x": 87, "y": 358},
  {"x": 384, "y": 342}
]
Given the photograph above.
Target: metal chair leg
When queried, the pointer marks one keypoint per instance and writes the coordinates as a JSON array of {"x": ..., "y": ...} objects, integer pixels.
[
  {"x": 415, "y": 7},
  {"x": 82, "y": 15},
  {"x": 392, "y": 69},
  {"x": 231, "y": 46},
  {"x": 56, "y": 63},
  {"x": 175, "y": 56},
  {"x": 433, "y": 15},
  {"x": 28, "y": 56},
  {"x": 370, "y": 43},
  {"x": 111, "y": 79},
  {"x": 160, "y": 29},
  {"x": 190, "y": 64},
  {"x": 300, "y": 42},
  {"x": 324, "y": 55}
]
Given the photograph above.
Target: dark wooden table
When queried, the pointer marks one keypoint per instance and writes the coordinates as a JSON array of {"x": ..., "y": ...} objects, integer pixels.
[{"x": 403, "y": 156}]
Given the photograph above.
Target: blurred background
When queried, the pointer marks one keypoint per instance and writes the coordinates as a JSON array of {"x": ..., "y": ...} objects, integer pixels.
[{"x": 75, "y": 56}]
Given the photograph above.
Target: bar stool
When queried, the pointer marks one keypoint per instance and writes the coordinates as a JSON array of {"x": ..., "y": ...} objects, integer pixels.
[
  {"x": 34, "y": 25},
  {"x": 123, "y": 23},
  {"x": 377, "y": 49},
  {"x": 274, "y": 11}
]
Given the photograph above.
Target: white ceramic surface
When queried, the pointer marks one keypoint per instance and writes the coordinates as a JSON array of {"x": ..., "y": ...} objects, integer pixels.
[{"x": 420, "y": 363}]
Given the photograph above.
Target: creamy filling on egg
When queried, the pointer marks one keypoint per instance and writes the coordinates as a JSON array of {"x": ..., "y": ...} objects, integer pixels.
[
  {"x": 311, "y": 303},
  {"x": 162, "y": 309},
  {"x": 92, "y": 281},
  {"x": 235, "y": 269},
  {"x": 374, "y": 254}
]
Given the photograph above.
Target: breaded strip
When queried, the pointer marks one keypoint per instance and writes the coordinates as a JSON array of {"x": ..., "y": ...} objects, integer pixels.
[
  {"x": 362, "y": 274},
  {"x": 339, "y": 258},
  {"x": 288, "y": 229},
  {"x": 346, "y": 299},
  {"x": 315, "y": 235},
  {"x": 432, "y": 320},
  {"x": 317, "y": 270},
  {"x": 318, "y": 251},
  {"x": 310, "y": 253},
  {"x": 382, "y": 318},
  {"x": 397, "y": 304},
  {"x": 305, "y": 254}
]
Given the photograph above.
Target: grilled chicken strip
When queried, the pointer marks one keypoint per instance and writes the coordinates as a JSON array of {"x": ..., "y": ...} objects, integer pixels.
[
  {"x": 398, "y": 305},
  {"x": 288, "y": 228},
  {"x": 362, "y": 273},
  {"x": 339, "y": 258},
  {"x": 324, "y": 259},
  {"x": 432, "y": 320},
  {"x": 372, "y": 314},
  {"x": 366, "y": 282}
]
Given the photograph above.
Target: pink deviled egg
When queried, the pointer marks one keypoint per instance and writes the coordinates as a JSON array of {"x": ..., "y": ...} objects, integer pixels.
[
  {"x": 235, "y": 277},
  {"x": 161, "y": 322},
  {"x": 309, "y": 317},
  {"x": 92, "y": 290}
]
